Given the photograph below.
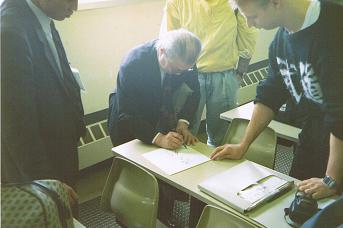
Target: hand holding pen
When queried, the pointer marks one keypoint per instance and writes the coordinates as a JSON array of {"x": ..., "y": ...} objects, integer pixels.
[{"x": 172, "y": 140}]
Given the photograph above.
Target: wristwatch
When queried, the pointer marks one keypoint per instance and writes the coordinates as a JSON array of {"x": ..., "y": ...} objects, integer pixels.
[{"x": 330, "y": 182}]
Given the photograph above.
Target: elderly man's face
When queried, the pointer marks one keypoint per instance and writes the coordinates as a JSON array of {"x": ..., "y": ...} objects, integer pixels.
[
  {"x": 172, "y": 66},
  {"x": 176, "y": 67},
  {"x": 259, "y": 16},
  {"x": 58, "y": 9}
]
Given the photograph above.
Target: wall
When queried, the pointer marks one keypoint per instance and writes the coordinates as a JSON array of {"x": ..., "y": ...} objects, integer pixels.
[{"x": 96, "y": 41}]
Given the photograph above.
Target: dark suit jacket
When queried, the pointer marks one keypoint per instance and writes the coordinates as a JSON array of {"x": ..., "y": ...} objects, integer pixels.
[
  {"x": 134, "y": 110},
  {"x": 42, "y": 114}
]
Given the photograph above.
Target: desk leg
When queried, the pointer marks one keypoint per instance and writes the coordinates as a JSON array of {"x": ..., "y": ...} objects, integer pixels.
[
  {"x": 197, "y": 207},
  {"x": 168, "y": 194}
]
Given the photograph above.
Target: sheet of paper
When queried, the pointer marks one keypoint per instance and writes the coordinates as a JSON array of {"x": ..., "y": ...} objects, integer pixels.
[{"x": 172, "y": 162}]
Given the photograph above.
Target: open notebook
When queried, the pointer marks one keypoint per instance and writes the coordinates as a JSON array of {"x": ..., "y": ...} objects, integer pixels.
[{"x": 245, "y": 186}]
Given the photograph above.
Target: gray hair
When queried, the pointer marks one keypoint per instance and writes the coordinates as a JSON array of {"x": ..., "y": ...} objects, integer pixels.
[{"x": 180, "y": 44}]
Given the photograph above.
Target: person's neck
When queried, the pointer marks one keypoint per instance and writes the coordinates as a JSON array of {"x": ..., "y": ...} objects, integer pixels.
[{"x": 295, "y": 14}]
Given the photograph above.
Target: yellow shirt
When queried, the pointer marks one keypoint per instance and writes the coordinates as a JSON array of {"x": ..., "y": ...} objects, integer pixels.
[{"x": 222, "y": 33}]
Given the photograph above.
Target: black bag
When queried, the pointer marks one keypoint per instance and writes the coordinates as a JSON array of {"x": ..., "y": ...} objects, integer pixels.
[
  {"x": 301, "y": 209},
  {"x": 42, "y": 203}
]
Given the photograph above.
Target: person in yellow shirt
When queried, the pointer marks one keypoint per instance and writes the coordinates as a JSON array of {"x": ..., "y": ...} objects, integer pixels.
[{"x": 225, "y": 36}]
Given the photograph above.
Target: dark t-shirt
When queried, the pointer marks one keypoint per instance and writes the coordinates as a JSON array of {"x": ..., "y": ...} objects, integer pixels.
[{"x": 308, "y": 66}]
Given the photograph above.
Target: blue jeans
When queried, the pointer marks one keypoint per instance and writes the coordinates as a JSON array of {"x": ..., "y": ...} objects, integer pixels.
[{"x": 218, "y": 91}]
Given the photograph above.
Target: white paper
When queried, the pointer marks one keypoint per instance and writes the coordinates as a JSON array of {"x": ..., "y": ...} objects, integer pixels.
[{"x": 172, "y": 162}]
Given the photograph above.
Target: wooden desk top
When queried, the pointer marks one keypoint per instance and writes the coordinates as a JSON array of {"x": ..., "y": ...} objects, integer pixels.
[
  {"x": 268, "y": 215},
  {"x": 245, "y": 111}
]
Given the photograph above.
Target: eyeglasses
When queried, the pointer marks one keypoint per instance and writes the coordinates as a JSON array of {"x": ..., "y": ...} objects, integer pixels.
[{"x": 178, "y": 68}]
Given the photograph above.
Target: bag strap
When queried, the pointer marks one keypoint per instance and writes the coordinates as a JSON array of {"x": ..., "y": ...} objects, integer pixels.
[{"x": 63, "y": 211}]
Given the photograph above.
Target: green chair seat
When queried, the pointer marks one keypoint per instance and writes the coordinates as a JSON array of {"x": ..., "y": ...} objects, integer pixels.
[{"x": 131, "y": 193}]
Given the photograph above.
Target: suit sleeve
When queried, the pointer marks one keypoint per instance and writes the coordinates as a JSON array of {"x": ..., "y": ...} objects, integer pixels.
[
  {"x": 129, "y": 110},
  {"x": 20, "y": 128},
  {"x": 191, "y": 105}
]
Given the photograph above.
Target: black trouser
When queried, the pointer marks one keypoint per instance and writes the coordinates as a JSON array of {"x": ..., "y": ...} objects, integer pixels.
[{"x": 312, "y": 152}]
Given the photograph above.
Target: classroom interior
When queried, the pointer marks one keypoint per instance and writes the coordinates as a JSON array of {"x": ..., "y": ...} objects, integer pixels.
[
  {"x": 96, "y": 38},
  {"x": 98, "y": 30}
]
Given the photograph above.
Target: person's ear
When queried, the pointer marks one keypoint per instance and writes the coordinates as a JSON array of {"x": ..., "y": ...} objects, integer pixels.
[{"x": 161, "y": 56}]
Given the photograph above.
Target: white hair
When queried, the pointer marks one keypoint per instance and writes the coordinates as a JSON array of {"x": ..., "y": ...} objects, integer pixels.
[{"x": 180, "y": 44}]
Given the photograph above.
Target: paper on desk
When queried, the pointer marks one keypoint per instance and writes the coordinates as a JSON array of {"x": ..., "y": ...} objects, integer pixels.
[{"x": 172, "y": 162}]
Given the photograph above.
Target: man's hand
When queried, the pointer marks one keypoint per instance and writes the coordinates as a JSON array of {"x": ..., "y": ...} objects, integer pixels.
[
  {"x": 73, "y": 197},
  {"x": 171, "y": 141},
  {"x": 188, "y": 137},
  {"x": 316, "y": 188},
  {"x": 231, "y": 151}
]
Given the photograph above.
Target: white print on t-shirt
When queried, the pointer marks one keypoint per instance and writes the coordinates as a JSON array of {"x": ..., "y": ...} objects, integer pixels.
[{"x": 308, "y": 80}]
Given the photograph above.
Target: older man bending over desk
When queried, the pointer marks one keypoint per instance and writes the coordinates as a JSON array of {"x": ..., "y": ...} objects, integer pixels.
[{"x": 156, "y": 97}]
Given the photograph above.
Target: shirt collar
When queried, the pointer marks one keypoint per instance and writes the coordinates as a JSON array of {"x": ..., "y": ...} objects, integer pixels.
[{"x": 43, "y": 19}]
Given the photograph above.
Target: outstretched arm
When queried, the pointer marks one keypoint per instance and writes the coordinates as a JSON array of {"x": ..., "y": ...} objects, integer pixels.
[{"x": 261, "y": 117}]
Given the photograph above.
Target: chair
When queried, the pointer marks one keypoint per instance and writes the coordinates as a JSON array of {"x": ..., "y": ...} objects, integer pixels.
[
  {"x": 262, "y": 150},
  {"x": 131, "y": 193},
  {"x": 214, "y": 217}
]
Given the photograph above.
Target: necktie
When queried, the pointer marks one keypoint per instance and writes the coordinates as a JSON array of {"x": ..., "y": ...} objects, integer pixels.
[
  {"x": 53, "y": 49},
  {"x": 69, "y": 82},
  {"x": 167, "y": 113}
]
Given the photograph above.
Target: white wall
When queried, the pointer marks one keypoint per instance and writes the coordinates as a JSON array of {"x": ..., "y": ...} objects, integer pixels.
[
  {"x": 263, "y": 40},
  {"x": 96, "y": 41}
]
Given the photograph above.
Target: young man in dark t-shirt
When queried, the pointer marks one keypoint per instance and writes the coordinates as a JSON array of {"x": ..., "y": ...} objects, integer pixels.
[{"x": 305, "y": 63}]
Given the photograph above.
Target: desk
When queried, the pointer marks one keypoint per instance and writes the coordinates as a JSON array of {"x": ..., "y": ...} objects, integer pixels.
[
  {"x": 269, "y": 215},
  {"x": 77, "y": 224},
  {"x": 282, "y": 130}
]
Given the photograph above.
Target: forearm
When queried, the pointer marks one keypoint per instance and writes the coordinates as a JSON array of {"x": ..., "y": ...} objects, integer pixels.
[
  {"x": 261, "y": 117},
  {"x": 335, "y": 163}
]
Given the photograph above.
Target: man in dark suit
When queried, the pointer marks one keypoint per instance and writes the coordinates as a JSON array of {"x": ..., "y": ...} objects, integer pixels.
[
  {"x": 155, "y": 100},
  {"x": 143, "y": 105},
  {"x": 42, "y": 113}
]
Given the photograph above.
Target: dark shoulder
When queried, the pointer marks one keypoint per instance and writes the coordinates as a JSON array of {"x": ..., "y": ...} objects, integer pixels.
[
  {"x": 330, "y": 21},
  {"x": 140, "y": 56},
  {"x": 16, "y": 17},
  {"x": 331, "y": 11},
  {"x": 279, "y": 38}
]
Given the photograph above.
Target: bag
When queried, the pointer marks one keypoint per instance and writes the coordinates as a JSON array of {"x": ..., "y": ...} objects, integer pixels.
[
  {"x": 41, "y": 203},
  {"x": 301, "y": 209}
]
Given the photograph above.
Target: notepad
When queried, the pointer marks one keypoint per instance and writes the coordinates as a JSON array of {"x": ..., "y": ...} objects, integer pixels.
[
  {"x": 172, "y": 162},
  {"x": 246, "y": 186}
]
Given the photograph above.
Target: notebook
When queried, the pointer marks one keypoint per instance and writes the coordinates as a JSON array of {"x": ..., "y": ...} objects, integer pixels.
[{"x": 246, "y": 186}]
